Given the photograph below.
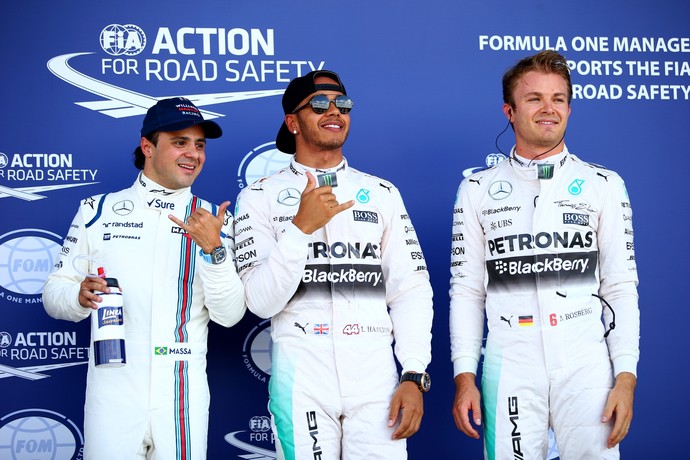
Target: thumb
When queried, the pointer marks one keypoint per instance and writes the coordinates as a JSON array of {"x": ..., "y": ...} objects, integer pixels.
[
  {"x": 608, "y": 412},
  {"x": 477, "y": 414},
  {"x": 393, "y": 413},
  {"x": 221, "y": 210},
  {"x": 311, "y": 183}
]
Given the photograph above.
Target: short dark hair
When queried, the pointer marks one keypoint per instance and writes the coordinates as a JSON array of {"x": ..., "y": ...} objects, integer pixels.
[
  {"x": 139, "y": 157},
  {"x": 547, "y": 61}
]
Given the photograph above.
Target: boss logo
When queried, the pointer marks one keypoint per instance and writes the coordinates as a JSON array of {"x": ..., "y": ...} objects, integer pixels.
[
  {"x": 576, "y": 219},
  {"x": 366, "y": 216}
]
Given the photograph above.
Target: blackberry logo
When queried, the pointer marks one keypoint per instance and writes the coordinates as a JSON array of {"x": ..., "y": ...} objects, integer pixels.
[{"x": 501, "y": 267}]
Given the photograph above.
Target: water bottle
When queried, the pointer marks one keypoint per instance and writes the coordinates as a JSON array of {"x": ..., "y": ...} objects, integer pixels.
[{"x": 108, "y": 327}]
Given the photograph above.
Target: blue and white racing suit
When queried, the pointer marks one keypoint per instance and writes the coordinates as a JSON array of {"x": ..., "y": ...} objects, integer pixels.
[
  {"x": 337, "y": 298},
  {"x": 158, "y": 401},
  {"x": 534, "y": 256}
]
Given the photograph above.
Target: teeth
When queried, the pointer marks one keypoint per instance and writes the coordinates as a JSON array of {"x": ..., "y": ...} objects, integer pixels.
[{"x": 187, "y": 167}]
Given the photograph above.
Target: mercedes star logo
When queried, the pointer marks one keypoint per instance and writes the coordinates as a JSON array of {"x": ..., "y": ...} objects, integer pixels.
[
  {"x": 500, "y": 189},
  {"x": 289, "y": 196}
]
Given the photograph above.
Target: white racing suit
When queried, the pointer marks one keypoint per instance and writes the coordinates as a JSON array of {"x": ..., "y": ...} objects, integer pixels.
[
  {"x": 533, "y": 254},
  {"x": 337, "y": 299},
  {"x": 160, "y": 398}
]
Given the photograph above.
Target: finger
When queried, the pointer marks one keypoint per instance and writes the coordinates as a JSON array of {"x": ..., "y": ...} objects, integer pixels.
[
  {"x": 467, "y": 425},
  {"x": 404, "y": 428},
  {"x": 311, "y": 183},
  {"x": 462, "y": 421},
  {"x": 393, "y": 413},
  {"x": 88, "y": 299},
  {"x": 177, "y": 221},
  {"x": 342, "y": 207},
  {"x": 619, "y": 431},
  {"x": 477, "y": 413},
  {"x": 221, "y": 210}
]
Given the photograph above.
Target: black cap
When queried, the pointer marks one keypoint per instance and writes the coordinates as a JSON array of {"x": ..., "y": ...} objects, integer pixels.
[
  {"x": 175, "y": 114},
  {"x": 296, "y": 92}
]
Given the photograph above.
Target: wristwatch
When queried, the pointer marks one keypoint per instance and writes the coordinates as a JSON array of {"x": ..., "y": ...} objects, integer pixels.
[
  {"x": 216, "y": 257},
  {"x": 423, "y": 380}
]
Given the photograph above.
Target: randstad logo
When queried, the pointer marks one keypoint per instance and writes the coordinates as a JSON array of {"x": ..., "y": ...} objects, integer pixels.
[
  {"x": 127, "y": 39},
  {"x": 27, "y": 258}
]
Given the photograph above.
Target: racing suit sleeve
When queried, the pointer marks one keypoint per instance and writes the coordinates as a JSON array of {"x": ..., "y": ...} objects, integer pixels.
[
  {"x": 270, "y": 265},
  {"x": 223, "y": 289},
  {"x": 467, "y": 284},
  {"x": 61, "y": 290},
  {"x": 618, "y": 277},
  {"x": 408, "y": 291}
]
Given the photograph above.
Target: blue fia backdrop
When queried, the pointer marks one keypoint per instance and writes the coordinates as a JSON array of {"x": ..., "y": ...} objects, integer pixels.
[{"x": 425, "y": 76}]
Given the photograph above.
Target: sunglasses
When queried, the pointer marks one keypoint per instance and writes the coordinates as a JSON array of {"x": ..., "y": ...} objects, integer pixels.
[{"x": 320, "y": 104}]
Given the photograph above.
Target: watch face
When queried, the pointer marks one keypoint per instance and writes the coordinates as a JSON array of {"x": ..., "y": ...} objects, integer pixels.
[
  {"x": 218, "y": 255},
  {"x": 422, "y": 380},
  {"x": 425, "y": 383}
]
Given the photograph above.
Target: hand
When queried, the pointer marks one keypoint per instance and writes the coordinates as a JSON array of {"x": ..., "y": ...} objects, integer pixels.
[
  {"x": 317, "y": 206},
  {"x": 467, "y": 399},
  {"x": 620, "y": 406},
  {"x": 87, "y": 297},
  {"x": 408, "y": 403},
  {"x": 203, "y": 227}
]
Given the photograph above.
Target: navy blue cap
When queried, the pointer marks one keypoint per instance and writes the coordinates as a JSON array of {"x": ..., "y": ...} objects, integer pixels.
[{"x": 176, "y": 114}]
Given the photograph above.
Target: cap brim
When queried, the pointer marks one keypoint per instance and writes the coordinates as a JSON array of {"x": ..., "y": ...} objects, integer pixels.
[
  {"x": 285, "y": 140},
  {"x": 211, "y": 129}
]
